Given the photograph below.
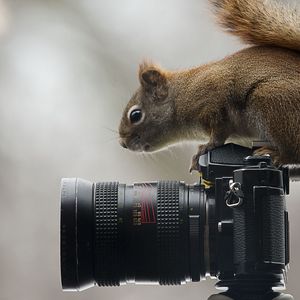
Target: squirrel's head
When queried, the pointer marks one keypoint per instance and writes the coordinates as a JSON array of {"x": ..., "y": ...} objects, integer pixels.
[{"x": 147, "y": 118}]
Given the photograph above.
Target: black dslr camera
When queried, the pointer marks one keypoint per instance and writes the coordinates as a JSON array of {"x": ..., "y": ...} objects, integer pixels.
[{"x": 233, "y": 225}]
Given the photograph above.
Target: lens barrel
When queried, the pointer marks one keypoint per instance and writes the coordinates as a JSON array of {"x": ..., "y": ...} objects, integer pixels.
[{"x": 112, "y": 233}]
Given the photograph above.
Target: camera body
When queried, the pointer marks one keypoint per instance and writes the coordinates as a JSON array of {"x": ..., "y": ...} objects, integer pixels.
[{"x": 247, "y": 218}]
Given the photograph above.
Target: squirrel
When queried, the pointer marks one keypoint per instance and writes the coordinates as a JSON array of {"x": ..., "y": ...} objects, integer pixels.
[{"x": 252, "y": 94}]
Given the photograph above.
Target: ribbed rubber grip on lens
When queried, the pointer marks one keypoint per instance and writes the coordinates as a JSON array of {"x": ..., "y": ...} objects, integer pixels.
[
  {"x": 168, "y": 231},
  {"x": 107, "y": 250}
]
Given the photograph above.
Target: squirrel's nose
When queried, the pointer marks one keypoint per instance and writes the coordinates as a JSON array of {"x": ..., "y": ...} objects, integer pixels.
[{"x": 123, "y": 144}]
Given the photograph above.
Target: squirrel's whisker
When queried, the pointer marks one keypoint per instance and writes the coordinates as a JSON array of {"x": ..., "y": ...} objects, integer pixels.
[{"x": 110, "y": 129}]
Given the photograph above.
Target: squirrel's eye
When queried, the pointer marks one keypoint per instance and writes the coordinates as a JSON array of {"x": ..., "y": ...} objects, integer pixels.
[{"x": 135, "y": 116}]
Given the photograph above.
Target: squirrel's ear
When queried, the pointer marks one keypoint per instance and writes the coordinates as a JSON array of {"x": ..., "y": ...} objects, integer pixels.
[{"x": 154, "y": 81}]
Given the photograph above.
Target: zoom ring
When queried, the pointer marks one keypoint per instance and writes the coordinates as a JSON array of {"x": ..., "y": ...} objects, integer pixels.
[
  {"x": 107, "y": 252},
  {"x": 168, "y": 232}
]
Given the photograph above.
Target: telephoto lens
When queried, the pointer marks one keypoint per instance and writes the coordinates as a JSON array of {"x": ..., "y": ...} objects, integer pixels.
[{"x": 112, "y": 233}]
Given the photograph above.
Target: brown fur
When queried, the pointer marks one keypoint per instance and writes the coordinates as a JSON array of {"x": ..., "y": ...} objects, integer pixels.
[
  {"x": 252, "y": 94},
  {"x": 260, "y": 22}
]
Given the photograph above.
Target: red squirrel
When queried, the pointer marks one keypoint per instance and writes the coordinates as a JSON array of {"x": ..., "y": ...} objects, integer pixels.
[{"x": 252, "y": 94}]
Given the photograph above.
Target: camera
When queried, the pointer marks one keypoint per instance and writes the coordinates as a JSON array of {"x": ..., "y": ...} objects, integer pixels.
[{"x": 232, "y": 225}]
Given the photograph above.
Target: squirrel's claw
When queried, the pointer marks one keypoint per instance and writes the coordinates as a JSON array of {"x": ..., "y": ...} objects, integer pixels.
[
  {"x": 195, "y": 163},
  {"x": 202, "y": 149},
  {"x": 272, "y": 152}
]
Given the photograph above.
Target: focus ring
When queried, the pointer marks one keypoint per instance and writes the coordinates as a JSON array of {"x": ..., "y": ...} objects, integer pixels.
[
  {"x": 168, "y": 232},
  {"x": 107, "y": 252}
]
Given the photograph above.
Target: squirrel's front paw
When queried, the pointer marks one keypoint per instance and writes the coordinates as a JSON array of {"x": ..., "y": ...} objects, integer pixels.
[
  {"x": 202, "y": 149},
  {"x": 272, "y": 152},
  {"x": 195, "y": 163}
]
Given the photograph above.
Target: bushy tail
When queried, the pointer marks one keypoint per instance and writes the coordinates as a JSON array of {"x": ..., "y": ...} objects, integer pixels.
[{"x": 261, "y": 22}]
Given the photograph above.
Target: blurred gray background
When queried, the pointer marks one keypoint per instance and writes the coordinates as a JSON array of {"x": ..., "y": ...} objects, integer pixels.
[{"x": 67, "y": 69}]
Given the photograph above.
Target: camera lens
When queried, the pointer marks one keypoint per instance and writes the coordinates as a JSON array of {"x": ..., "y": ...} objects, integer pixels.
[{"x": 112, "y": 233}]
